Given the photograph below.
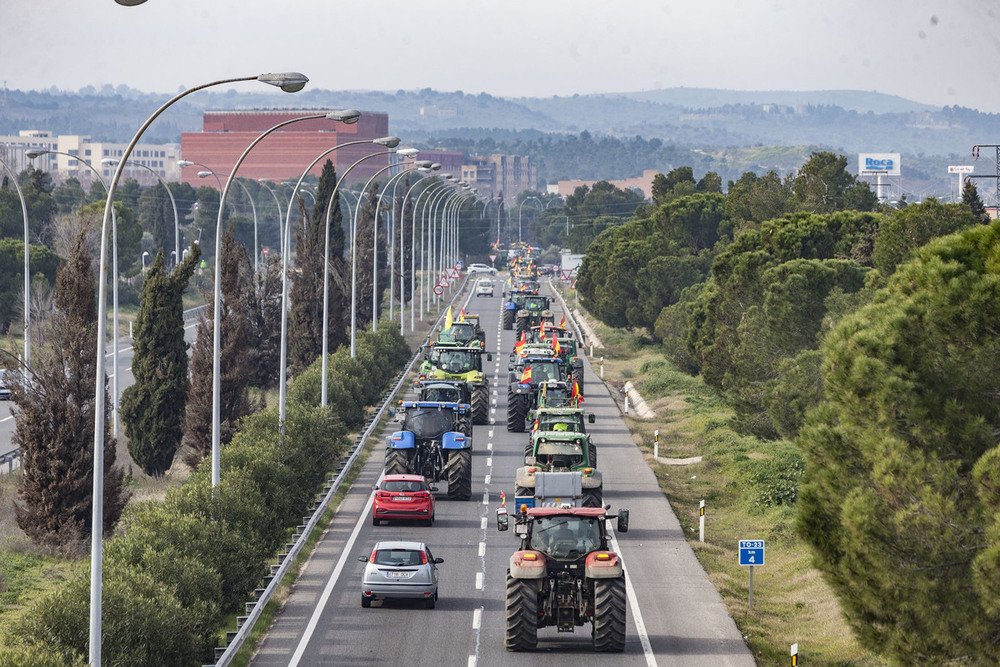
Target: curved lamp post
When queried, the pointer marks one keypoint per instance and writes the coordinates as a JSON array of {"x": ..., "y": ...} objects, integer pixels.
[
  {"x": 445, "y": 178},
  {"x": 405, "y": 152},
  {"x": 27, "y": 270},
  {"x": 115, "y": 404},
  {"x": 253, "y": 207},
  {"x": 264, "y": 182},
  {"x": 349, "y": 116},
  {"x": 290, "y": 82},
  {"x": 111, "y": 162},
  {"x": 413, "y": 255},
  {"x": 282, "y": 381},
  {"x": 519, "y": 213},
  {"x": 424, "y": 165}
]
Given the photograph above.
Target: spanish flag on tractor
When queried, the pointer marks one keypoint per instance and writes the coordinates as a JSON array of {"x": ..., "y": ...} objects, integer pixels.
[
  {"x": 556, "y": 346},
  {"x": 519, "y": 344},
  {"x": 526, "y": 375},
  {"x": 576, "y": 392},
  {"x": 562, "y": 322}
]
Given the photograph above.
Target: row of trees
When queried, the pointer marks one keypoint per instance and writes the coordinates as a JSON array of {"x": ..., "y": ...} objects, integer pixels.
[
  {"x": 177, "y": 568},
  {"x": 826, "y": 319}
]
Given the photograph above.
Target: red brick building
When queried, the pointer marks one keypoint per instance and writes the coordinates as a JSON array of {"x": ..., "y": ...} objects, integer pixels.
[{"x": 284, "y": 154}]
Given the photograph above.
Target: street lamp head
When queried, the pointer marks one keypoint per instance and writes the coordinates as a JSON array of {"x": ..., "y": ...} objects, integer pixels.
[
  {"x": 33, "y": 153},
  {"x": 388, "y": 142},
  {"x": 436, "y": 166},
  {"x": 203, "y": 174},
  {"x": 184, "y": 163},
  {"x": 423, "y": 164},
  {"x": 130, "y": 3},
  {"x": 347, "y": 116},
  {"x": 290, "y": 82},
  {"x": 109, "y": 161},
  {"x": 408, "y": 152}
]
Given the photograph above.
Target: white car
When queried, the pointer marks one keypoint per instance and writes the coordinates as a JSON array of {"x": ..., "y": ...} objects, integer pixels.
[
  {"x": 481, "y": 268},
  {"x": 400, "y": 570},
  {"x": 484, "y": 287}
]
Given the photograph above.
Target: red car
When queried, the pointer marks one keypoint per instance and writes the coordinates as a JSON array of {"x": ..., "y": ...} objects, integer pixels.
[{"x": 403, "y": 497}]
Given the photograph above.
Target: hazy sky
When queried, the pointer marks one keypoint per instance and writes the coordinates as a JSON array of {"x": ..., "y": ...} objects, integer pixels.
[{"x": 940, "y": 52}]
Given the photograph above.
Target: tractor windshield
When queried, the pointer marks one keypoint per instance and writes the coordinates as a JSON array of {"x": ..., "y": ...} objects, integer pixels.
[
  {"x": 535, "y": 303},
  {"x": 566, "y": 537},
  {"x": 547, "y": 422},
  {"x": 428, "y": 422},
  {"x": 456, "y": 361}
]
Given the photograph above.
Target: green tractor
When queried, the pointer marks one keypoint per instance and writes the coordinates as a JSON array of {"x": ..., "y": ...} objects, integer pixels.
[
  {"x": 532, "y": 313},
  {"x": 559, "y": 451},
  {"x": 465, "y": 332},
  {"x": 451, "y": 361},
  {"x": 527, "y": 376}
]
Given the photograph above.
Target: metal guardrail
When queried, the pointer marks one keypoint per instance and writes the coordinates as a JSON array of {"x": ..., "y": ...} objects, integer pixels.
[
  {"x": 569, "y": 314},
  {"x": 192, "y": 313},
  {"x": 244, "y": 624},
  {"x": 10, "y": 459}
]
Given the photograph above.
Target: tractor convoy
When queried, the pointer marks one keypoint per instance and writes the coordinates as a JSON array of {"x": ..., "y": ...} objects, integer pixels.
[{"x": 565, "y": 573}]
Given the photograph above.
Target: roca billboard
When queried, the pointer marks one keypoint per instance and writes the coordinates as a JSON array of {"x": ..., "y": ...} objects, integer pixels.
[{"x": 878, "y": 163}]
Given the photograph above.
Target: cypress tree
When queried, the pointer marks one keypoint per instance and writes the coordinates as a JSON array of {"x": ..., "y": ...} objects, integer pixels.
[
  {"x": 234, "y": 354},
  {"x": 153, "y": 407},
  {"x": 54, "y": 419},
  {"x": 970, "y": 198},
  {"x": 306, "y": 294}
]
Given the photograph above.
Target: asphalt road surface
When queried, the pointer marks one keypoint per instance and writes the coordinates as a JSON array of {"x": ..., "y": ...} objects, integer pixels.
[{"x": 675, "y": 616}]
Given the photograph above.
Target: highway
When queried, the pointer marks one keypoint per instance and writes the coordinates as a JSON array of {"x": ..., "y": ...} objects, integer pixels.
[
  {"x": 125, "y": 363},
  {"x": 675, "y": 616}
]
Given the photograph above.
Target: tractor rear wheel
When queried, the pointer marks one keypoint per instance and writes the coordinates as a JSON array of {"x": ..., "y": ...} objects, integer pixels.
[
  {"x": 529, "y": 450},
  {"x": 520, "y": 326},
  {"x": 592, "y": 497},
  {"x": 517, "y": 407},
  {"x": 592, "y": 454},
  {"x": 609, "y": 615},
  {"x": 481, "y": 404},
  {"x": 460, "y": 474},
  {"x": 521, "y": 627},
  {"x": 396, "y": 462},
  {"x": 508, "y": 319}
]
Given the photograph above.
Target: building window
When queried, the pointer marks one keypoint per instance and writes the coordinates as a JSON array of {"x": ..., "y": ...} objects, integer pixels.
[{"x": 87, "y": 152}]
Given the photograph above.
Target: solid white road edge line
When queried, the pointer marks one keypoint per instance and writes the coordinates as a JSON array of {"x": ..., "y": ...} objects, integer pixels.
[
  {"x": 334, "y": 576},
  {"x": 640, "y": 626}
]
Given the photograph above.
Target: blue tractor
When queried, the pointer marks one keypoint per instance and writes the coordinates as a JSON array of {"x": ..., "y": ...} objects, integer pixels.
[{"x": 432, "y": 443}]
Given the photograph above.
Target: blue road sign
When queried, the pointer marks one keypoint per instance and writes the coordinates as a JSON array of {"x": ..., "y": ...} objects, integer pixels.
[{"x": 751, "y": 552}]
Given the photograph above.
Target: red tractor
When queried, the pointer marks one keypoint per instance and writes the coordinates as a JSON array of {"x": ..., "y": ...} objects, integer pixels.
[{"x": 564, "y": 575}]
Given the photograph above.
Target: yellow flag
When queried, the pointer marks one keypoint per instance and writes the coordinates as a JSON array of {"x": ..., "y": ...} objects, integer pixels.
[{"x": 447, "y": 320}]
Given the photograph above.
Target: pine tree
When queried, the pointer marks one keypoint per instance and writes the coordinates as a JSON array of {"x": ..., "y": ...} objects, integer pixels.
[
  {"x": 234, "y": 354},
  {"x": 970, "y": 198},
  {"x": 54, "y": 419},
  {"x": 899, "y": 501},
  {"x": 153, "y": 407}
]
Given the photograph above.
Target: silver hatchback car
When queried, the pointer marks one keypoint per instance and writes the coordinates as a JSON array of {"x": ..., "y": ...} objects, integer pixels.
[{"x": 400, "y": 570}]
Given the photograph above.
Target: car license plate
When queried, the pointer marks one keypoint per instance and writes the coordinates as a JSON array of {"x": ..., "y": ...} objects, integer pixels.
[
  {"x": 399, "y": 575},
  {"x": 402, "y": 499}
]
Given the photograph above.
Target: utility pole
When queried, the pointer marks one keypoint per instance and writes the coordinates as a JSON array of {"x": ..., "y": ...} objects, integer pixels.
[{"x": 995, "y": 176}]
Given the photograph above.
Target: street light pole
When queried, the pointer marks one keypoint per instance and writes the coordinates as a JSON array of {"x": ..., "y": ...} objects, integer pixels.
[
  {"x": 281, "y": 233},
  {"x": 216, "y": 334},
  {"x": 289, "y": 82},
  {"x": 394, "y": 180},
  {"x": 253, "y": 208},
  {"x": 413, "y": 254},
  {"x": 27, "y": 271},
  {"x": 173, "y": 203}
]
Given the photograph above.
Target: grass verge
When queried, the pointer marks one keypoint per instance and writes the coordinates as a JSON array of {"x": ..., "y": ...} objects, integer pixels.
[{"x": 749, "y": 486}]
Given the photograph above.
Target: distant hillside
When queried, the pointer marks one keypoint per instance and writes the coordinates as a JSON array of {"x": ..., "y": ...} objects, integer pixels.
[
  {"x": 702, "y": 128},
  {"x": 849, "y": 100}
]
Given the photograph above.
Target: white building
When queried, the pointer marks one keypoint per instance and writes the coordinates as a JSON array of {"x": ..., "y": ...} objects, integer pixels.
[{"x": 162, "y": 159}]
